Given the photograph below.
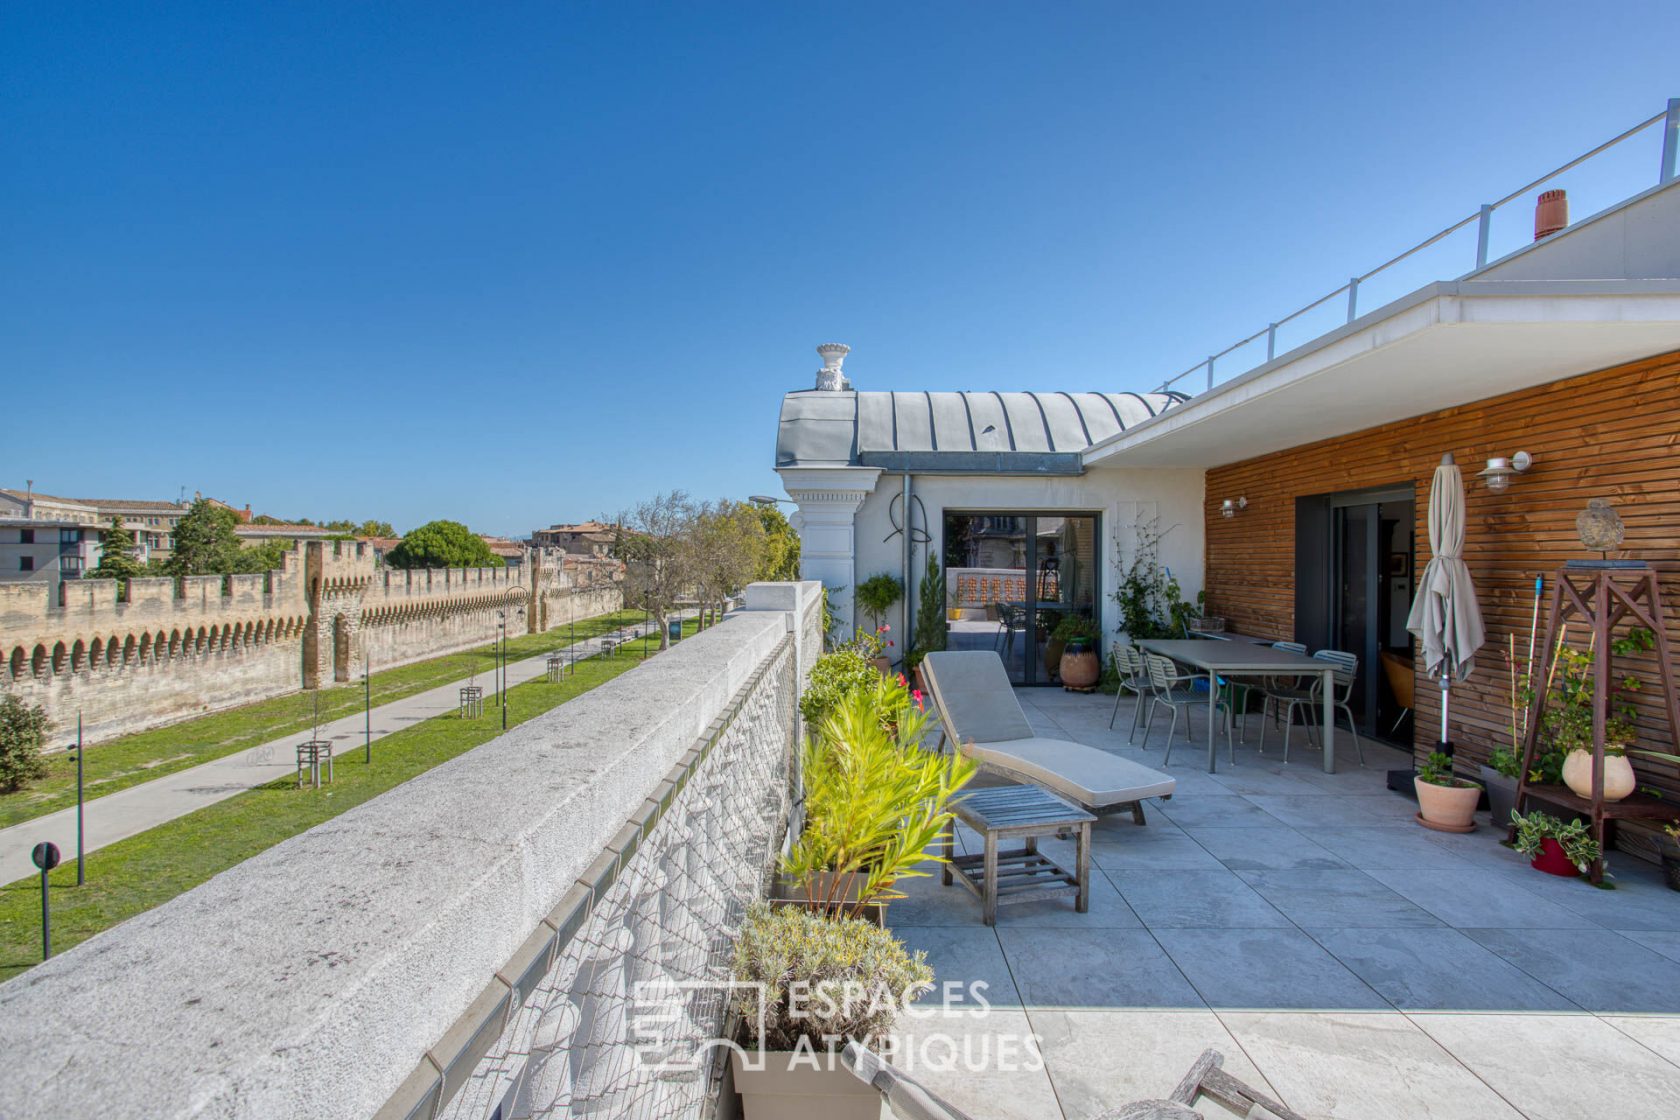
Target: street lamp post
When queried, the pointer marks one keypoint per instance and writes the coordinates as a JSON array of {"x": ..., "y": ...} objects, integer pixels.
[
  {"x": 81, "y": 853},
  {"x": 367, "y": 709},
  {"x": 46, "y": 858}
]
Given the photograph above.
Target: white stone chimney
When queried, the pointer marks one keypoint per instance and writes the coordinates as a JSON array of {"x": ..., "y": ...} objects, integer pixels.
[{"x": 829, "y": 377}]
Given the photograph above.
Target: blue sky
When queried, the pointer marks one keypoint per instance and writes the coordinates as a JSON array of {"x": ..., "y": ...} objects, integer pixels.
[{"x": 516, "y": 264}]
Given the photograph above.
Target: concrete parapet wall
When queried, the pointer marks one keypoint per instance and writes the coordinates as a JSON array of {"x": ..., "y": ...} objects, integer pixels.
[{"x": 305, "y": 984}]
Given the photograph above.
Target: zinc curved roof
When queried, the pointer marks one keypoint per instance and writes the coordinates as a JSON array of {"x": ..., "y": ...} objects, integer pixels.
[{"x": 979, "y": 431}]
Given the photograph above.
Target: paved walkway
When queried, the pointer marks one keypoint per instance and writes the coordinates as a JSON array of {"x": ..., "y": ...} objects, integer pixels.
[
  {"x": 1341, "y": 957},
  {"x": 117, "y": 816}
]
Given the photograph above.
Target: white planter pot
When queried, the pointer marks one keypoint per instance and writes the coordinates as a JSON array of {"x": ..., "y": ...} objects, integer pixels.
[
  {"x": 1618, "y": 775},
  {"x": 788, "y": 1088}
]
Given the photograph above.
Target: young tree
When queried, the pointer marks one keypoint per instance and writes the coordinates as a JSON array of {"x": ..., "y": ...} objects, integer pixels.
[
  {"x": 264, "y": 557},
  {"x": 781, "y": 546},
  {"x": 443, "y": 544},
  {"x": 23, "y": 732},
  {"x": 727, "y": 546},
  {"x": 205, "y": 543},
  {"x": 375, "y": 529},
  {"x": 116, "y": 554},
  {"x": 654, "y": 541}
]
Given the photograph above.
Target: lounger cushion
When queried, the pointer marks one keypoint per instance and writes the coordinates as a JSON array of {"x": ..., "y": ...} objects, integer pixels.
[
  {"x": 1093, "y": 778},
  {"x": 977, "y": 704}
]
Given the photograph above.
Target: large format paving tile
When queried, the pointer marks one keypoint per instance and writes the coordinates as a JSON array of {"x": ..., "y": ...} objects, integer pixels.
[
  {"x": 1094, "y": 968},
  {"x": 1657, "y": 1033},
  {"x": 931, "y": 903},
  {"x": 1346, "y": 811},
  {"x": 1641, "y": 901},
  {"x": 1403, "y": 847},
  {"x": 1195, "y": 899},
  {"x": 1217, "y": 811},
  {"x": 1665, "y": 942},
  {"x": 965, "y": 955},
  {"x": 1336, "y": 898},
  {"x": 1362, "y": 1066},
  {"x": 1437, "y": 970},
  {"x": 1266, "y": 969},
  {"x": 1559, "y": 1067},
  {"x": 1600, "y": 971},
  {"x": 988, "y": 1064},
  {"x": 1099, "y": 1060},
  {"x": 1480, "y": 899},
  {"x": 1158, "y": 846},
  {"x": 1255, "y": 849},
  {"x": 1268, "y": 778}
]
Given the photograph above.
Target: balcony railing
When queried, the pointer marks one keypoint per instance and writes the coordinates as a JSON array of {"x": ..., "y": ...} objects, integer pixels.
[{"x": 1230, "y": 362}]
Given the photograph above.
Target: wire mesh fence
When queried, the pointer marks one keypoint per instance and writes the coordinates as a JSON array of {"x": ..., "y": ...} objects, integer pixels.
[{"x": 622, "y": 1023}]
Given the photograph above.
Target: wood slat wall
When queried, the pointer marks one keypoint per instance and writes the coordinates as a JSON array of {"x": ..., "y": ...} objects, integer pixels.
[{"x": 1612, "y": 434}]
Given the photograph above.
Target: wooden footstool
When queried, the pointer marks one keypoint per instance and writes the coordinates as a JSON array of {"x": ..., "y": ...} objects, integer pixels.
[{"x": 1020, "y": 875}]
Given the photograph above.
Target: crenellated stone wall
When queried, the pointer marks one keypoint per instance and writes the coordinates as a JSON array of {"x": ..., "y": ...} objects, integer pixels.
[{"x": 154, "y": 651}]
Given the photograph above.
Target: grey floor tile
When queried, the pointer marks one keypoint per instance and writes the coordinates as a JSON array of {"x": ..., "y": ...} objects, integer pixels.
[
  {"x": 1263, "y": 777},
  {"x": 1158, "y": 846},
  {"x": 1602, "y": 971},
  {"x": 1666, "y": 942},
  {"x": 1266, "y": 969},
  {"x": 1072, "y": 968},
  {"x": 1255, "y": 849},
  {"x": 1437, "y": 970},
  {"x": 1195, "y": 899},
  {"x": 1481, "y": 899},
  {"x": 1347, "y": 811},
  {"x": 1641, "y": 901},
  {"x": 1403, "y": 847},
  {"x": 1362, "y": 1066},
  {"x": 1337, "y": 898},
  {"x": 1220, "y": 811},
  {"x": 1559, "y": 1067},
  {"x": 965, "y": 955},
  {"x": 930, "y": 902},
  {"x": 1657, "y": 1033},
  {"x": 1099, "y": 1059},
  {"x": 985, "y": 1062}
]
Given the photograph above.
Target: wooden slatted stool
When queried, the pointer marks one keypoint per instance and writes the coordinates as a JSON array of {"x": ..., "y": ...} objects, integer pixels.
[{"x": 1022, "y": 874}]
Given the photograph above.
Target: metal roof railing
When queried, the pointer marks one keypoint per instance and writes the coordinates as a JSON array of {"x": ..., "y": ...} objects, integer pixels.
[{"x": 1482, "y": 218}]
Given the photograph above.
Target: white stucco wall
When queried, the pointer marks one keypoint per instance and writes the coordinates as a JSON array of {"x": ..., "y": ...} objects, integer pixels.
[{"x": 1119, "y": 497}]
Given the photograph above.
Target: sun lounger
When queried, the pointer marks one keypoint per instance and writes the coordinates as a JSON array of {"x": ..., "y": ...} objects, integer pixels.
[
  {"x": 979, "y": 713},
  {"x": 909, "y": 1099}
]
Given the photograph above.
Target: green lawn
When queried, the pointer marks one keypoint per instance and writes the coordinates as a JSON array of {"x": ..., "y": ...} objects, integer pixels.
[
  {"x": 134, "y": 875},
  {"x": 132, "y": 759}
]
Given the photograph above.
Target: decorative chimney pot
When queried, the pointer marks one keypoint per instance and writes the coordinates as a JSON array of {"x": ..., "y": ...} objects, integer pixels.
[
  {"x": 830, "y": 378},
  {"x": 1551, "y": 213}
]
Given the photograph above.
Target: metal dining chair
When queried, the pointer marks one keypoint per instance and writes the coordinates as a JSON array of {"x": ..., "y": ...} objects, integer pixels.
[
  {"x": 1174, "y": 689},
  {"x": 1345, "y": 669},
  {"x": 1133, "y": 679}
]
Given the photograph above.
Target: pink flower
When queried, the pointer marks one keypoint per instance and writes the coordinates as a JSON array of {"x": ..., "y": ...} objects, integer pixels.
[
  {"x": 901, "y": 681},
  {"x": 884, "y": 629}
]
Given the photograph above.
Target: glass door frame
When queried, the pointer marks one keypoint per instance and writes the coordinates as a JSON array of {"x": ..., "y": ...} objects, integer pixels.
[{"x": 1030, "y": 516}]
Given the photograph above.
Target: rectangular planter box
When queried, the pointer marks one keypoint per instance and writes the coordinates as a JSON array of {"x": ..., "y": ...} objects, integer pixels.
[{"x": 786, "y": 1090}]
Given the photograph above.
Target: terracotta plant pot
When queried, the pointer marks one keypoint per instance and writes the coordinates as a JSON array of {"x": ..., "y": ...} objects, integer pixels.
[
  {"x": 1080, "y": 666},
  {"x": 1451, "y": 808},
  {"x": 884, "y": 664},
  {"x": 788, "y": 1088},
  {"x": 1552, "y": 861},
  {"x": 1618, "y": 775}
]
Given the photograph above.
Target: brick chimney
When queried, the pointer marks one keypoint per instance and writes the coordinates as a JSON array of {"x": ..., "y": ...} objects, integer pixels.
[
  {"x": 829, "y": 377},
  {"x": 1551, "y": 213}
]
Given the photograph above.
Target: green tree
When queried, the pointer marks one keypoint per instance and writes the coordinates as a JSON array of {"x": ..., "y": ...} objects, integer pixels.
[
  {"x": 116, "y": 554},
  {"x": 375, "y": 529},
  {"x": 655, "y": 541},
  {"x": 23, "y": 732},
  {"x": 205, "y": 543},
  {"x": 781, "y": 546},
  {"x": 264, "y": 557},
  {"x": 726, "y": 543},
  {"x": 443, "y": 544}
]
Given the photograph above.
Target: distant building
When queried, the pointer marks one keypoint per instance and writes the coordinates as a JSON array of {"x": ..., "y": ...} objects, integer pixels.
[
  {"x": 44, "y": 539},
  {"x": 590, "y": 538}
]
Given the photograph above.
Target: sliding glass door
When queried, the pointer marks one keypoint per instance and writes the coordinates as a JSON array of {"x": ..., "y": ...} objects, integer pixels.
[{"x": 1012, "y": 577}]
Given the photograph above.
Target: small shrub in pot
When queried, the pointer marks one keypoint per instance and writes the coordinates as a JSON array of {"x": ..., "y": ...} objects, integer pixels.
[{"x": 1445, "y": 800}]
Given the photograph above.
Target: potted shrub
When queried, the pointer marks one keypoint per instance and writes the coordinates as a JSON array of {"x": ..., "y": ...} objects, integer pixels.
[
  {"x": 874, "y": 802},
  {"x": 805, "y": 979},
  {"x": 877, "y": 596},
  {"x": 1080, "y": 664},
  {"x": 1568, "y": 721},
  {"x": 832, "y": 677},
  {"x": 1553, "y": 846},
  {"x": 1668, "y": 850},
  {"x": 1499, "y": 775},
  {"x": 1446, "y": 802}
]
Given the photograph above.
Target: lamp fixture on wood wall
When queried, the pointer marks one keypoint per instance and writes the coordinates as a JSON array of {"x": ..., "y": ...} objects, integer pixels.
[
  {"x": 1499, "y": 470},
  {"x": 1230, "y": 506}
]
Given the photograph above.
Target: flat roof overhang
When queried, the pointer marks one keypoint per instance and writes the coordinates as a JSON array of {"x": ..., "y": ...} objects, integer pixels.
[{"x": 1444, "y": 345}]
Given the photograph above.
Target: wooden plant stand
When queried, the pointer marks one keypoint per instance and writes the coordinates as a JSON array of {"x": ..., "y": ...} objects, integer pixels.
[{"x": 1603, "y": 599}]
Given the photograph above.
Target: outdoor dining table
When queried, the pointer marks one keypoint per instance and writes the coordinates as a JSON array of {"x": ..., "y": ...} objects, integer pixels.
[{"x": 1239, "y": 659}]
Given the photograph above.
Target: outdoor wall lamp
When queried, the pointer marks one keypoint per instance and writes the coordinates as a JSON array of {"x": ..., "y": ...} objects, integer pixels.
[
  {"x": 1499, "y": 471},
  {"x": 1230, "y": 506}
]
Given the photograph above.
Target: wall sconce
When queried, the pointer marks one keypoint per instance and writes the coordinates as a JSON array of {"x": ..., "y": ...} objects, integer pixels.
[
  {"x": 1499, "y": 471},
  {"x": 1230, "y": 506}
]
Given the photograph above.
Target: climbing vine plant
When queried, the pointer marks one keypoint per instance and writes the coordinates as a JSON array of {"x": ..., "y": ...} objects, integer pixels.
[{"x": 1151, "y": 603}]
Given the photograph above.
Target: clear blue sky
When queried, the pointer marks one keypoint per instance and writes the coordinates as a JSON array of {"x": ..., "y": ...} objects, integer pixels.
[{"x": 516, "y": 264}]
